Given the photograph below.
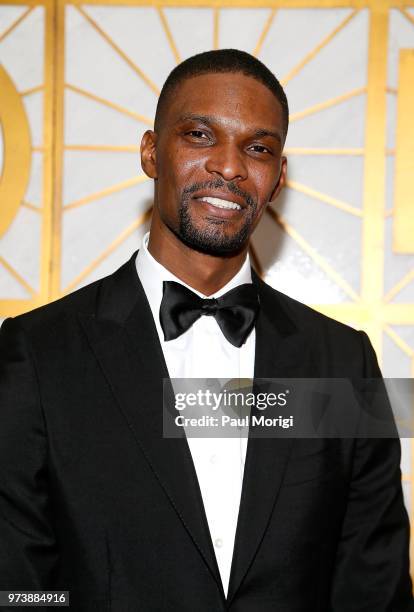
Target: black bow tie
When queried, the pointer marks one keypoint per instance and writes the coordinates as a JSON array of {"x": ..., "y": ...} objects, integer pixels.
[{"x": 235, "y": 311}]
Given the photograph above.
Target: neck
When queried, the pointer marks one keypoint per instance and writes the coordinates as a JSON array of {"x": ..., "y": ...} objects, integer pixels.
[{"x": 204, "y": 273}]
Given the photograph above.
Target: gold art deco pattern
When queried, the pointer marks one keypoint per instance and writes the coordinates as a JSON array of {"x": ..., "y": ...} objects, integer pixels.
[
  {"x": 347, "y": 222},
  {"x": 26, "y": 140}
]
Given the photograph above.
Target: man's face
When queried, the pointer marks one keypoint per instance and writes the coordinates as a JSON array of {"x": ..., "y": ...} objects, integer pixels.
[{"x": 216, "y": 160}]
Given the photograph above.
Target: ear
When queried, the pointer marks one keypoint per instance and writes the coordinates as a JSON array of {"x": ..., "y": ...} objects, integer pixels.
[
  {"x": 149, "y": 154},
  {"x": 281, "y": 181}
]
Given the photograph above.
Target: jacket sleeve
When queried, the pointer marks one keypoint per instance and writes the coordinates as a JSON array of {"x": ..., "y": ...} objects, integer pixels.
[
  {"x": 27, "y": 544},
  {"x": 372, "y": 565}
]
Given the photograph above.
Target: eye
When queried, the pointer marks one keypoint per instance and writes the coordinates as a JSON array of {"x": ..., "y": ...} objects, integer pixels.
[
  {"x": 259, "y": 149},
  {"x": 197, "y": 134}
]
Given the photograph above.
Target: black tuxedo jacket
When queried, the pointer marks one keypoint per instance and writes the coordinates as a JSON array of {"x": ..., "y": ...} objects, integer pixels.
[{"x": 95, "y": 501}]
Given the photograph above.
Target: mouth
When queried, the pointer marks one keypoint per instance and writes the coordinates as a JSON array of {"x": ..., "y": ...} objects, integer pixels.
[{"x": 219, "y": 203}]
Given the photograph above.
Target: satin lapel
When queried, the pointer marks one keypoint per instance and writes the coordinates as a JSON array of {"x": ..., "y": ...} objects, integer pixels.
[
  {"x": 281, "y": 351},
  {"x": 125, "y": 342}
]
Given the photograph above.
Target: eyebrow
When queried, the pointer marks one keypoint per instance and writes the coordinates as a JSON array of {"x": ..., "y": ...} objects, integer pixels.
[
  {"x": 209, "y": 120},
  {"x": 263, "y": 132}
]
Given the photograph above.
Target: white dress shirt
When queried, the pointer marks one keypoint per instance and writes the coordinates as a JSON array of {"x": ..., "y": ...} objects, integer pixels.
[{"x": 203, "y": 352}]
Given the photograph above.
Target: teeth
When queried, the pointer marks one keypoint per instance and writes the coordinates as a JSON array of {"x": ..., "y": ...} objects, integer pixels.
[{"x": 221, "y": 203}]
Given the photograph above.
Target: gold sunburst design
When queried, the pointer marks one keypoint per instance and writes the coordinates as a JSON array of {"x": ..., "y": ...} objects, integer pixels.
[{"x": 17, "y": 151}]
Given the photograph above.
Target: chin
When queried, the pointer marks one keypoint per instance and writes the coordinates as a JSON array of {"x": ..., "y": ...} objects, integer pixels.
[{"x": 212, "y": 241}]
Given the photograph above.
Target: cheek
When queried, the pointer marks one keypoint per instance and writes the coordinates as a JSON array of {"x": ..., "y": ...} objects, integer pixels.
[
  {"x": 184, "y": 170},
  {"x": 265, "y": 181},
  {"x": 188, "y": 162},
  {"x": 176, "y": 171}
]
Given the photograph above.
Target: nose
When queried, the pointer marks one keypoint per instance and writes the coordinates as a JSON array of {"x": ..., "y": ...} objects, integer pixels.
[{"x": 227, "y": 162}]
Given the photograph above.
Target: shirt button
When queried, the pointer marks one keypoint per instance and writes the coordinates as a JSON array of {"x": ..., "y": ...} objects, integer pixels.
[
  {"x": 213, "y": 459},
  {"x": 218, "y": 542}
]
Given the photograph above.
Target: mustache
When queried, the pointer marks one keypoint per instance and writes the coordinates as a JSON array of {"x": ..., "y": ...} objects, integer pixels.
[{"x": 220, "y": 184}]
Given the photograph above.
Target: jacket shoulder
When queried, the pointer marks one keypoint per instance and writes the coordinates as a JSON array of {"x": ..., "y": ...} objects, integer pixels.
[
  {"x": 336, "y": 348},
  {"x": 83, "y": 300},
  {"x": 305, "y": 317},
  {"x": 56, "y": 314}
]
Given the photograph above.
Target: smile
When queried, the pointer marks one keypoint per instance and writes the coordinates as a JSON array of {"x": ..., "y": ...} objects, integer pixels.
[{"x": 219, "y": 203}]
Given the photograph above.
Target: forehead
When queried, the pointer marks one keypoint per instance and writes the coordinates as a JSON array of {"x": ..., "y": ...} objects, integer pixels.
[{"x": 228, "y": 97}]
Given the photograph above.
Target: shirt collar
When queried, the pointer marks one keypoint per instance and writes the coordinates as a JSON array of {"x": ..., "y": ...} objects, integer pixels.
[{"x": 152, "y": 274}]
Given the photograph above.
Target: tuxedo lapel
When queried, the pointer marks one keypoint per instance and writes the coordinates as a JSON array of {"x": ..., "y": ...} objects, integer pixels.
[
  {"x": 281, "y": 352},
  {"x": 124, "y": 339}
]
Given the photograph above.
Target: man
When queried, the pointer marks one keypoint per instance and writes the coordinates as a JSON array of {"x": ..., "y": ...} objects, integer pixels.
[{"x": 93, "y": 499}]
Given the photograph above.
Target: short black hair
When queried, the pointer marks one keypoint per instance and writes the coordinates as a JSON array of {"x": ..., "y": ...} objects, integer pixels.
[{"x": 222, "y": 61}]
